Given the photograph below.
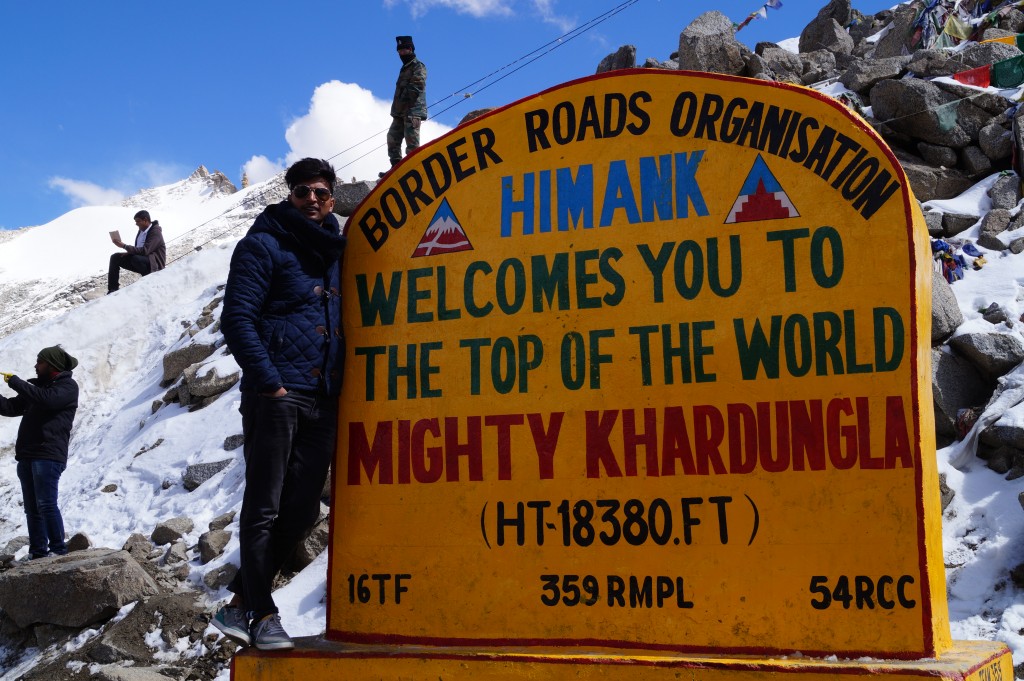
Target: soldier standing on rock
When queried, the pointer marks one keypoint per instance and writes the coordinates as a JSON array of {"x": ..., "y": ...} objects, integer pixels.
[{"x": 409, "y": 106}]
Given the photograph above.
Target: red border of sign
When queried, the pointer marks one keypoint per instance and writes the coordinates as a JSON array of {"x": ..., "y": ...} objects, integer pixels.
[{"x": 928, "y": 638}]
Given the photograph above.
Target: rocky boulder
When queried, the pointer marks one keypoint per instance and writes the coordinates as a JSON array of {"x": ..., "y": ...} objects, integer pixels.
[
  {"x": 623, "y": 58},
  {"x": 75, "y": 590},
  {"x": 709, "y": 44}
]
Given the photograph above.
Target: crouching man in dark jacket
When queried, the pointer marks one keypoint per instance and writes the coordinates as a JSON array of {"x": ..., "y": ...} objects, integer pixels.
[
  {"x": 282, "y": 322},
  {"x": 47, "y": 405}
]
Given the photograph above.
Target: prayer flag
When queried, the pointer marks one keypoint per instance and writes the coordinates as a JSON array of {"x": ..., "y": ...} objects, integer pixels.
[
  {"x": 957, "y": 27},
  {"x": 1009, "y": 72},
  {"x": 980, "y": 77},
  {"x": 1008, "y": 39},
  {"x": 774, "y": 4}
]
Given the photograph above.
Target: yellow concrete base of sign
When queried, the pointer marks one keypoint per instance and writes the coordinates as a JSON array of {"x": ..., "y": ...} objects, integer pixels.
[{"x": 315, "y": 658}]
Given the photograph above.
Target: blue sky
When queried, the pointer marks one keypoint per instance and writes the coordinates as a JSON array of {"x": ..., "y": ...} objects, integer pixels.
[{"x": 103, "y": 99}]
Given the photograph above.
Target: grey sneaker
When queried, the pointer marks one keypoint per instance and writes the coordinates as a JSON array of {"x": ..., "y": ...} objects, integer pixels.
[
  {"x": 268, "y": 634},
  {"x": 233, "y": 623}
]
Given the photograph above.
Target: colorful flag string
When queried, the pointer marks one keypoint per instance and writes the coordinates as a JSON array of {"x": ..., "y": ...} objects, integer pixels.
[{"x": 761, "y": 12}]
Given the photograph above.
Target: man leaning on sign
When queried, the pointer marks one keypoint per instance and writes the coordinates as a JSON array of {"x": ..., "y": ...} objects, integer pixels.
[{"x": 282, "y": 322}]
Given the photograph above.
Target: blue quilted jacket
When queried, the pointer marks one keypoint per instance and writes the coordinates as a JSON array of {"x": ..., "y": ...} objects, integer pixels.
[{"x": 282, "y": 308}]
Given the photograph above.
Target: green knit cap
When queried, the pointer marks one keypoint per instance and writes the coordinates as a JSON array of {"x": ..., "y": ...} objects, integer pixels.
[{"x": 58, "y": 358}]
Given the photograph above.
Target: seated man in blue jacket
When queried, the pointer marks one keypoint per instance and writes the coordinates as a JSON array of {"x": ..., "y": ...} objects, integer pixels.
[
  {"x": 282, "y": 323},
  {"x": 47, "y": 405}
]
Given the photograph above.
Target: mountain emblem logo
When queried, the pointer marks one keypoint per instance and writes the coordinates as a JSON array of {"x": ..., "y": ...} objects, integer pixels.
[
  {"x": 761, "y": 197},
  {"x": 443, "y": 235}
]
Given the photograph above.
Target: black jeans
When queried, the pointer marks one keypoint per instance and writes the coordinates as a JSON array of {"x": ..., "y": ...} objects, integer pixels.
[
  {"x": 39, "y": 480},
  {"x": 290, "y": 442},
  {"x": 136, "y": 263}
]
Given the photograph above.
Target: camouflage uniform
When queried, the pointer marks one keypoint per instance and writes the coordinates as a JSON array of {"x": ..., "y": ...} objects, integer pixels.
[{"x": 408, "y": 109}]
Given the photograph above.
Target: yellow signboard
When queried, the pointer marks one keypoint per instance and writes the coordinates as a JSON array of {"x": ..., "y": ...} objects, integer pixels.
[{"x": 641, "y": 361}]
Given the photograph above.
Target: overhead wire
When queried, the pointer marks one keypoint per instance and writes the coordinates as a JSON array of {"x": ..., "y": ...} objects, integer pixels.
[
  {"x": 551, "y": 45},
  {"x": 544, "y": 50}
]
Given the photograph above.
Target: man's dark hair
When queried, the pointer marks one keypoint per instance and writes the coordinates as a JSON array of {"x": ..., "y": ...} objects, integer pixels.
[
  {"x": 144, "y": 214},
  {"x": 309, "y": 169}
]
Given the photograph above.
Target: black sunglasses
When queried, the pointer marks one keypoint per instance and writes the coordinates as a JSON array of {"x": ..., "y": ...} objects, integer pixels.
[{"x": 302, "y": 191}]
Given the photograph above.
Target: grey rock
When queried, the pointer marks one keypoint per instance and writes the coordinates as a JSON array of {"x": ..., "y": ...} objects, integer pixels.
[
  {"x": 349, "y": 195},
  {"x": 176, "y": 361},
  {"x": 946, "y": 493},
  {"x": 106, "y": 652},
  {"x": 894, "y": 42},
  {"x": 982, "y": 54},
  {"x": 972, "y": 119},
  {"x": 757, "y": 67},
  {"x": 830, "y": 36},
  {"x": 203, "y": 381},
  {"x": 946, "y": 314},
  {"x": 783, "y": 63},
  {"x": 138, "y": 546},
  {"x": 622, "y": 58},
  {"x": 1011, "y": 20},
  {"x": 176, "y": 554},
  {"x": 1005, "y": 192},
  {"x": 652, "y": 63},
  {"x": 989, "y": 105},
  {"x": 709, "y": 44},
  {"x": 113, "y": 672},
  {"x": 937, "y": 154},
  {"x": 931, "y": 183},
  {"x": 933, "y": 222},
  {"x": 994, "y": 314},
  {"x": 79, "y": 542},
  {"x": 222, "y": 521},
  {"x": 995, "y": 222},
  {"x": 996, "y": 142},
  {"x": 172, "y": 530},
  {"x": 233, "y": 442},
  {"x": 863, "y": 74},
  {"x": 920, "y": 109},
  {"x": 221, "y": 577},
  {"x": 198, "y": 473},
  {"x": 1004, "y": 447},
  {"x": 993, "y": 354},
  {"x": 954, "y": 223},
  {"x": 818, "y": 66},
  {"x": 75, "y": 590},
  {"x": 931, "y": 63},
  {"x": 211, "y": 544},
  {"x": 167, "y": 617},
  {"x": 48, "y": 634},
  {"x": 476, "y": 113},
  {"x": 956, "y": 384},
  {"x": 822, "y": 31},
  {"x": 975, "y": 163},
  {"x": 15, "y": 545}
]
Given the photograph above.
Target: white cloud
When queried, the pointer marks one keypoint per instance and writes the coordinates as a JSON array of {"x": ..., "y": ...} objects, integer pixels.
[
  {"x": 346, "y": 125},
  {"x": 547, "y": 12},
  {"x": 260, "y": 168},
  {"x": 476, "y": 8},
  {"x": 142, "y": 175},
  {"x": 81, "y": 193},
  {"x": 487, "y": 8}
]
